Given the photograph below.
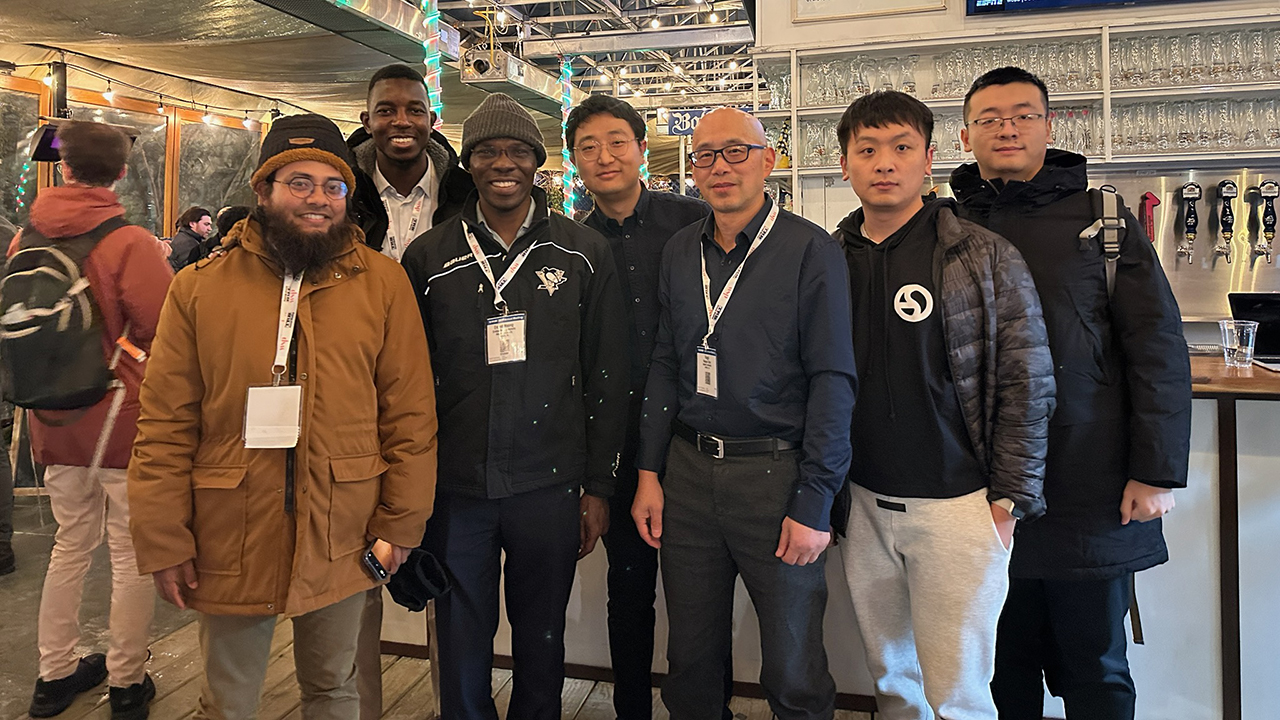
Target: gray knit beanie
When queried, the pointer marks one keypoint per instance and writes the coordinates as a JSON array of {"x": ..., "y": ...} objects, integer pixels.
[{"x": 500, "y": 117}]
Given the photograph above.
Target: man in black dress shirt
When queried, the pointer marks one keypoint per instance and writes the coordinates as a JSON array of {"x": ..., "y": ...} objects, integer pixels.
[
  {"x": 757, "y": 387},
  {"x": 607, "y": 138}
]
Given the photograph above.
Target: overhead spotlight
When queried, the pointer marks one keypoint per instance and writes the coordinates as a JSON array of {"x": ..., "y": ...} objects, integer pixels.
[
  {"x": 733, "y": 64},
  {"x": 110, "y": 94},
  {"x": 666, "y": 85},
  {"x": 655, "y": 23},
  {"x": 714, "y": 18}
]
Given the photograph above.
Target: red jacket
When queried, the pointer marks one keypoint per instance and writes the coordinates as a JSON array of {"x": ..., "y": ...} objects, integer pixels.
[{"x": 129, "y": 278}]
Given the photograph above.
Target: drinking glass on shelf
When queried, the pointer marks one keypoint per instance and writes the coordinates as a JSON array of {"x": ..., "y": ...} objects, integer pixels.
[
  {"x": 1197, "y": 65},
  {"x": 813, "y": 150},
  {"x": 907, "y": 76},
  {"x": 1203, "y": 125},
  {"x": 1076, "y": 69},
  {"x": 1145, "y": 140},
  {"x": 813, "y": 87},
  {"x": 1010, "y": 55},
  {"x": 1162, "y": 130},
  {"x": 1224, "y": 125},
  {"x": 1093, "y": 66},
  {"x": 1118, "y": 76},
  {"x": 1251, "y": 130},
  {"x": 1271, "y": 123},
  {"x": 840, "y": 83},
  {"x": 1052, "y": 66},
  {"x": 1183, "y": 137},
  {"x": 1117, "y": 131},
  {"x": 939, "y": 75},
  {"x": 1217, "y": 56},
  {"x": 1273, "y": 42},
  {"x": 860, "y": 83},
  {"x": 831, "y": 142},
  {"x": 1256, "y": 55},
  {"x": 1235, "y": 55},
  {"x": 1177, "y": 59},
  {"x": 1135, "y": 61},
  {"x": 1156, "y": 61},
  {"x": 884, "y": 78},
  {"x": 1035, "y": 64}
]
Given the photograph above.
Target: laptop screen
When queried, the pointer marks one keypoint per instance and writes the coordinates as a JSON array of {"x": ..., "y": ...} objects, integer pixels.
[{"x": 1263, "y": 308}]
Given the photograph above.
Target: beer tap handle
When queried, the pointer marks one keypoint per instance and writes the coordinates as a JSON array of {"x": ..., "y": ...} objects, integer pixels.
[
  {"x": 1191, "y": 221},
  {"x": 1269, "y": 191},
  {"x": 1147, "y": 209}
]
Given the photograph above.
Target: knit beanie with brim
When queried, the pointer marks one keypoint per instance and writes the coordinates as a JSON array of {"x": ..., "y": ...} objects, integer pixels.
[
  {"x": 304, "y": 137},
  {"x": 500, "y": 117}
]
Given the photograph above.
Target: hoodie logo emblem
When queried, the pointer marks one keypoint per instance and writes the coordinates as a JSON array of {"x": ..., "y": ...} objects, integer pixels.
[
  {"x": 913, "y": 303},
  {"x": 551, "y": 279}
]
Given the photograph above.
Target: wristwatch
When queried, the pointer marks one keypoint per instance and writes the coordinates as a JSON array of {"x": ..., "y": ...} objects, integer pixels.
[{"x": 1010, "y": 508}]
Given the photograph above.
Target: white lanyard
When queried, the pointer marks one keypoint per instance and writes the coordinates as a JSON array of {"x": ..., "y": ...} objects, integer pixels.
[
  {"x": 288, "y": 317},
  {"x": 483, "y": 262},
  {"x": 396, "y": 250},
  {"x": 713, "y": 314}
]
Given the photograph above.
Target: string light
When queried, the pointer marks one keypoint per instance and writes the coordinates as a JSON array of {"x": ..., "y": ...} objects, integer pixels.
[
  {"x": 733, "y": 64},
  {"x": 110, "y": 94},
  {"x": 22, "y": 185},
  {"x": 48, "y": 77},
  {"x": 208, "y": 116},
  {"x": 431, "y": 58},
  {"x": 713, "y": 18},
  {"x": 160, "y": 104},
  {"x": 248, "y": 124},
  {"x": 655, "y": 23},
  {"x": 566, "y": 104}
]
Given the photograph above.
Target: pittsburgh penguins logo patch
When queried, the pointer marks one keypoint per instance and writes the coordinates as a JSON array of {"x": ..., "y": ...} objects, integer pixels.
[{"x": 552, "y": 279}]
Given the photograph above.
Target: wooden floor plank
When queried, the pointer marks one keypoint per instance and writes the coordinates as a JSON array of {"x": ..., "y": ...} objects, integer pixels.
[
  {"x": 416, "y": 704},
  {"x": 598, "y": 705},
  {"x": 400, "y": 678},
  {"x": 750, "y": 709},
  {"x": 852, "y": 715},
  {"x": 573, "y": 695}
]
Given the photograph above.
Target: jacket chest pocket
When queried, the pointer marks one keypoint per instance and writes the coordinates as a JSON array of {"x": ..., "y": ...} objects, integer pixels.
[
  {"x": 218, "y": 518},
  {"x": 353, "y": 498}
]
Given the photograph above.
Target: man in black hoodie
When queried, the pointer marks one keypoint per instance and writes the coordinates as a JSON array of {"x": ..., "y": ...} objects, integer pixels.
[
  {"x": 407, "y": 176},
  {"x": 1119, "y": 441},
  {"x": 949, "y": 433}
]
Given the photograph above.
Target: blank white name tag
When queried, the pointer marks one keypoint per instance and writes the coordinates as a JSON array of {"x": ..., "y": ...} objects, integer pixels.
[
  {"x": 272, "y": 417},
  {"x": 708, "y": 381},
  {"x": 504, "y": 338}
]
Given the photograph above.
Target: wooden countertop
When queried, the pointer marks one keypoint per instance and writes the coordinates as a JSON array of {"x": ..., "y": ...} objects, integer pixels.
[{"x": 1211, "y": 378}]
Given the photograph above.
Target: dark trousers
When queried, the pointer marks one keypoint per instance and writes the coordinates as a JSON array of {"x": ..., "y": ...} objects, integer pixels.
[
  {"x": 1071, "y": 634},
  {"x": 6, "y": 497},
  {"x": 632, "y": 580},
  {"x": 722, "y": 519},
  {"x": 539, "y": 531}
]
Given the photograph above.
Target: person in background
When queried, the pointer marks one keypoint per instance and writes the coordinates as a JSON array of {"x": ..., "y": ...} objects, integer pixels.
[
  {"x": 950, "y": 430},
  {"x": 407, "y": 175},
  {"x": 291, "y": 486},
  {"x": 757, "y": 390},
  {"x": 87, "y": 491},
  {"x": 1120, "y": 437},
  {"x": 527, "y": 331},
  {"x": 227, "y": 218},
  {"x": 607, "y": 141},
  {"x": 194, "y": 226}
]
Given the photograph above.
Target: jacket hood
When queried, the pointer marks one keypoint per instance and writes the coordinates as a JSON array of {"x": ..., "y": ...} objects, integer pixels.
[
  {"x": 73, "y": 209},
  {"x": 850, "y": 228},
  {"x": 1063, "y": 173},
  {"x": 438, "y": 149}
]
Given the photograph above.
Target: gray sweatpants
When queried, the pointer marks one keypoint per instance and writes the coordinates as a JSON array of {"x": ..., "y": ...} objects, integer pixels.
[{"x": 928, "y": 578}]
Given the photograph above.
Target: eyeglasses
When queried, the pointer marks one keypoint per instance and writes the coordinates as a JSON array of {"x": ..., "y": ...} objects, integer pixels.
[
  {"x": 302, "y": 187},
  {"x": 518, "y": 153},
  {"x": 732, "y": 154},
  {"x": 992, "y": 124},
  {"x": 591, "y": 150}
]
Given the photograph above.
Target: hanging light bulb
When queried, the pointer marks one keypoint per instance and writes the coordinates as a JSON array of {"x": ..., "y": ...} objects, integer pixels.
[
  {"x": 208, "y": 117},
  {"x": 655, "y": 23},
  {"x": 713, "y": 18},
  {"x": 109, "y": 95},
  {"x": 160, "y": 104},
  {"x": 624, "y": 71},
  {"x": 733, "y": 64},
  {"x": 723, "y": 81},
  {"x": 679, "y": 70},
  {"x": 666, "y": 85},
  {"x": 639, "y": 92},
  {"x": 48, "y": 77},
  {"x": 248, "y": 124},
  {"x": 683, "y": 91}
]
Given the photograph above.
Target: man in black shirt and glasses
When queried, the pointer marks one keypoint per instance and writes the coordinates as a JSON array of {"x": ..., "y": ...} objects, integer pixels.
[{"x": 757, "y": 388}]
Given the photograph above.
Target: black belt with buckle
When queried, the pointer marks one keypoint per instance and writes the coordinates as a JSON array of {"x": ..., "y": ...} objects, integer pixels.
[{"x": 721, "y": 447}]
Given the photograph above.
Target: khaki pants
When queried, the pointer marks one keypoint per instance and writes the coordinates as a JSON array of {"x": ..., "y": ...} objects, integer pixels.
[
  {"x": 236, "y": 650},
  {"x": 369, "y": 656},
  {"x": 85, "y": 509}
]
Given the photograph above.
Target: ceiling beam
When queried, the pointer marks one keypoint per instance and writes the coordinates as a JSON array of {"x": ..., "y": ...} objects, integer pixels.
[{"x": 606, "y": 42}]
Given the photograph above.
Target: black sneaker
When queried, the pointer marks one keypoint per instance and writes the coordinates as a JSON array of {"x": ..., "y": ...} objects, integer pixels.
[
  {"x": 53, "y": 696},
  {"x": 133, "y": 702},
  {"x": 7, "y": 564}
]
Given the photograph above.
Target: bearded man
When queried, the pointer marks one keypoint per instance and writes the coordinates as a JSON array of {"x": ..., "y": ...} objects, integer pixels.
[{"x": 285, "y": 460}]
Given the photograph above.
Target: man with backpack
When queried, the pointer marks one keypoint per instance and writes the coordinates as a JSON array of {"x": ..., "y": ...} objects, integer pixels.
[
  {"x": 1119, "y": 439},
  {"x": 78, "y": 371}
]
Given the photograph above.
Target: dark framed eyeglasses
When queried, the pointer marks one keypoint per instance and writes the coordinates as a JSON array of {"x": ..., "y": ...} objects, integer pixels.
[
  {"x": 519, "y": 153},
  {"x": 302, "y": 188},
  {"x": 591, "y": 150},
  {"x": 992, "y": 124},
  {"x": 732, "y": 154}
]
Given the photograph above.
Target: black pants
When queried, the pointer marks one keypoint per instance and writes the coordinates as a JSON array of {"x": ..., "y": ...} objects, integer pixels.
[
  {"x": 539, "y": 531},
  {"x": 6, "y": 496},
  {"x": 633, "y": 578},
  {"x": 721, "y": 519},
  {"x": 1072, "y": 635}
]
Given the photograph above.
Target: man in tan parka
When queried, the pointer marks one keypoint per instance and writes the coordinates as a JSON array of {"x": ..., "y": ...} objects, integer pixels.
[{"x": 286, "y": 451}]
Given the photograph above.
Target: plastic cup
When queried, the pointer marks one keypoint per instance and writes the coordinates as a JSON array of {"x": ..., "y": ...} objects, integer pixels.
[{"x": 1237, "y": 341}]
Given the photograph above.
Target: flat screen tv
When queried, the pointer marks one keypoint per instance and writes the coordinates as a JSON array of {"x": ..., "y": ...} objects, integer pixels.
[{"x": 998, "y": 7}]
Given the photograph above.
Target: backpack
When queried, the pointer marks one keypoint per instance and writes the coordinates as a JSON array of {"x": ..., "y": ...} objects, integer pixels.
[
  {"x": 1108, "y": 227},
  {"x": 50, "y": 330}
]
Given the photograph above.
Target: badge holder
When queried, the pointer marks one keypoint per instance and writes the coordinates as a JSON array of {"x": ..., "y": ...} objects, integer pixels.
[
  {"x": 505, "y": 338},
  {"x": 708, "y": 377},
  {"x": 273, "y": 414}
]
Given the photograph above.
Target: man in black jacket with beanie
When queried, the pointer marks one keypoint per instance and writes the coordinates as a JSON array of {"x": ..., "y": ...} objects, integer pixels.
[
  {"x": 1119, "y": 440},
  {"x": 527, "y": 331}
]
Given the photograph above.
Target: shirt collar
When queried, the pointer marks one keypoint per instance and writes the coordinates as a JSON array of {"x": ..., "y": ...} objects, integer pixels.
[
  {"x": 748, "y": 233},
  {"x": 600, "y": 221},
  {"x": 524, "y": 226},
  {"x": 383, "y": 186}
]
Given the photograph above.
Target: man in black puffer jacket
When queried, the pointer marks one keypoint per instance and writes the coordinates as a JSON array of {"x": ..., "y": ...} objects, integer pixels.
[
  {"x": 1119, "y": 441},
  {"x": 951, "y": 426}
]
